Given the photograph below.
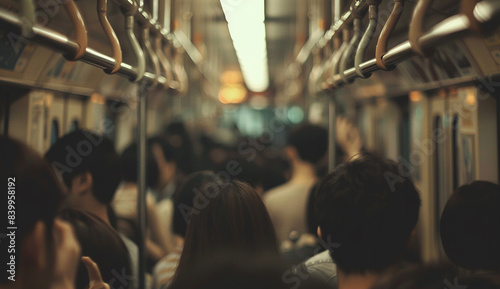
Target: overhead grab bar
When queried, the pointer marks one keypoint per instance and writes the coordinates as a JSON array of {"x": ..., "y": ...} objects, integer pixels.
[
  {"x": 347, "y": 55},
  {"x": 338, "y": 53},
  {"x": 136, "y": 47},
  {"x": 417, "y": 25},
  {"x": 180, "y": 72},
  {"x": 383, "y": 39},
  {"x": 28, "y": 17},
  {"x": 80, "y": 30},
  {"x": 165, "y": 65},
  {"x": 367, "y": 37},
  {"x": 148, "y": 49},
  {"x": 102, "y": 7},
  {"x": 467, "y": 8}
]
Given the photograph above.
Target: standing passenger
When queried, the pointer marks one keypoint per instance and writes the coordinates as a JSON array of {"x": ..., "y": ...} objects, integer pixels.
[
  {"x": 184, "y": 197},
  {"x": 367, "y": 212},
  {"x": 226, "y": 216},
  {"x": 44, "y": 252},
  {"x": 287, "y": 204},
  {"x": 90, "y": 168},
  {"x": 470, "y": 227}
]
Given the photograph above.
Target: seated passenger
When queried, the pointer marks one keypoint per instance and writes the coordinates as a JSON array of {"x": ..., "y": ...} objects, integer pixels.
[
  {"x": 90, "y": 168},
  {"x": 42, "y": 252},
  {"x": 183, "y": 200},
  {"x": 125, "y": 204},
  {"x": 225, "y": 216},
  {"x": 470, "y": 226},
  {"x": 306, "y": 145},
  {"x": 104, "y": 246},
  {"x": 367, "y": 214}
]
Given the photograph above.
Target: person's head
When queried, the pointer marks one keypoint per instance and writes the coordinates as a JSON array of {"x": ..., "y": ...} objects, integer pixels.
[
  {"x": 33, "y": 192},
  {"x": 184, "y": 196},
  {"x": 178, "y": 137},
  {"x": 368, "y": 209},
  {"x": 226, "y": 215},
  {"x": 129, "y": 161},
  {"x": 307, "y": 143},
  {"x": 88, "y": 164},
  {"x": 103, "y": 245},
  {"x": 164, "y": 155},
  {"x": 470, "y": 226}
]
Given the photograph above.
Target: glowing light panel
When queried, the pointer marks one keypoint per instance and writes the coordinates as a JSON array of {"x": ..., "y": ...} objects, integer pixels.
[{"x": 245, "y": 20}]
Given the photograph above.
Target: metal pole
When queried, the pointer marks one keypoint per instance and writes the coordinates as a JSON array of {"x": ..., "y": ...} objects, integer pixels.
[
  {"x": 332, "y": 105},
  {"x": 141, "y": 181}
]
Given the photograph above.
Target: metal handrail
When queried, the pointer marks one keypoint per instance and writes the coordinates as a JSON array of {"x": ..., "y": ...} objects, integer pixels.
[
  {"x": 102, "y": 8},
  {"x": 80, "y": 30},
  {"x": 487, "y": 13}
]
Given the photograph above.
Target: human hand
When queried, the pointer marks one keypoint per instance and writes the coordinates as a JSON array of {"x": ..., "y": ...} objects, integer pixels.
[
  {"x": 95, "y": 278},
  {"x": 348, "y": 137},
  {"x": 67, "y": 251}
]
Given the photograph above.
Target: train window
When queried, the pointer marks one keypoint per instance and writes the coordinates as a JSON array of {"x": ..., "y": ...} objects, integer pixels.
[
  {"x": 54, "y": 131},
  {"x": 74, "y": 125},
  {"x": 455, "y": 150}
]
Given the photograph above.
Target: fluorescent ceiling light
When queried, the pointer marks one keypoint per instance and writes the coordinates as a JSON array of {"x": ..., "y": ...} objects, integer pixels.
[{"x": 246, "y": 26}]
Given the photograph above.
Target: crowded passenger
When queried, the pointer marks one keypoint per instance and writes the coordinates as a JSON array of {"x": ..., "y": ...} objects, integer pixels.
[
  {"x": 306, "y": 146},
  {"x": 90, "y": 168},
  {"x": 225, "y": 216},
  {"x": 367, "y": 213},
  {"x": 46, "y": 251},
  {"x": 470, "y": 227},
  {"x": 104, "y": 246},
  {"x": 125, "y": 204},
  {"x": 183, "y": 202}
]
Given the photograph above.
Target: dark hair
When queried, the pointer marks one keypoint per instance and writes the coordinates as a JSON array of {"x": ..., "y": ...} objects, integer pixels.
[
  {"x": 128, "y": 160},
  {"x": 470, "y": 226},
  {"x": 181, "y": 143},
  {"x": 84, "y": 151},
  {"x": 368, "y": 209},
  {"x": 184, "y": 197},
  {"x": 429, "y": 276},
  {"x": 166, "y": 148},
  {"x": 37, "y": 195},
  {"x": 229, "y": 269},
  {"x": 437, "y": 276},
  {"x": 310, "y": 141},
  {"x": 229, "y": 215},
  {"x": 102, "y": 244},
  {"x": 312, "y": 220}
]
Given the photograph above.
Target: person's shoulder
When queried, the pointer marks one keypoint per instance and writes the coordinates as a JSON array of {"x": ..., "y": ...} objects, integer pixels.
[
  {"x": 320, "y": 258},
  {"x": 277, "y": 192},
  {"x": 322, "y": 267}
]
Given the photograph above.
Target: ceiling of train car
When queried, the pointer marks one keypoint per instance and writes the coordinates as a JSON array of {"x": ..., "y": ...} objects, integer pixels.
[{"x": 219, "y": 53}]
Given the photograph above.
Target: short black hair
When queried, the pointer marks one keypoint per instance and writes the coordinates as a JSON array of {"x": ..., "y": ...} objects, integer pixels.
[
  {"x": 310, "y": 141},
  {"x": 129, "y": 166},
  {"x": 184, "y": 198},
  {"x": 102, "y": 244},
  {"x": 85, "y": 151},
  {"x": 470, "y": 226},
  {"x": 367, "y": 208}
]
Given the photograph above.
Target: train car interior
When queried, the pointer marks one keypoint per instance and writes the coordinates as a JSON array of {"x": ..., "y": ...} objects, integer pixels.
[{"x": 226, "y": 82}]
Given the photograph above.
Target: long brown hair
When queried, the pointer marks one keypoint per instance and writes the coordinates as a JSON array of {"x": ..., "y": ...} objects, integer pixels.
[{"x": 226, "y": 215}]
